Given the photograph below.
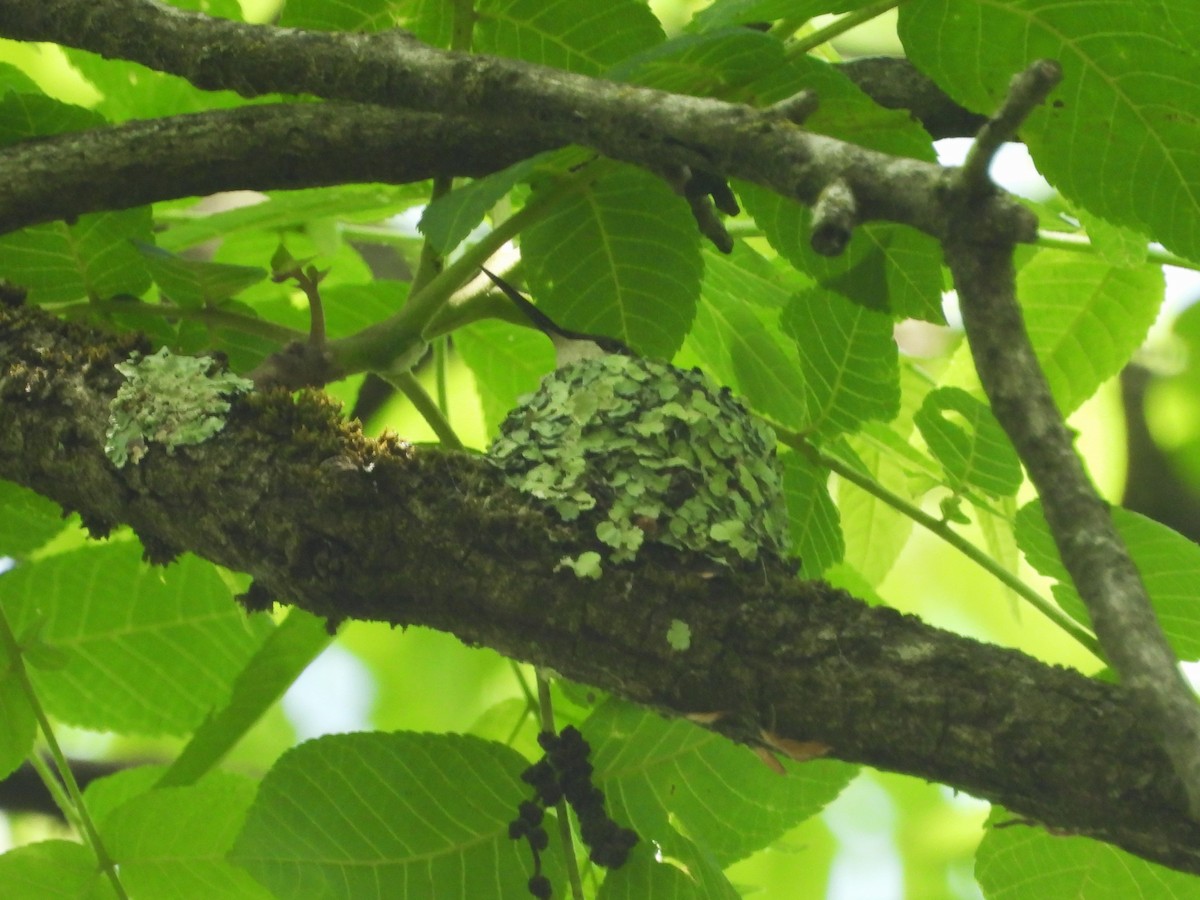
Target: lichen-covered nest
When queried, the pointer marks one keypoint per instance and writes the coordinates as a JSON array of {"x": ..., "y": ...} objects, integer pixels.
[{"x": 653, "y": 453}]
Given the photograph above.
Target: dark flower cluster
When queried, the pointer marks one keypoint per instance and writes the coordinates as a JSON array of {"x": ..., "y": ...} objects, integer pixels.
[{"x": 564, "y": 772}]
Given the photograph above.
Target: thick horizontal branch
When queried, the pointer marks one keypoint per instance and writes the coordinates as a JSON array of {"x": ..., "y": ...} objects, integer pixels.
[
  {"x": 646, "y": 127},
  {"x": 381, "y": 531},
  {"x": 263, "y": 147}
]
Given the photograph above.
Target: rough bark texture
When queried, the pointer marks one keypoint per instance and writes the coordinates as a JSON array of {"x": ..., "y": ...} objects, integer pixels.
[{"x": 350, "y": 527}]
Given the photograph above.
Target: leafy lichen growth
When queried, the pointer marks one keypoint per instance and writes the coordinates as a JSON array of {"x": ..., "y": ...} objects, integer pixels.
[
  {"x": 653, "y": 453},
  {"x": 169, "y": 400}
]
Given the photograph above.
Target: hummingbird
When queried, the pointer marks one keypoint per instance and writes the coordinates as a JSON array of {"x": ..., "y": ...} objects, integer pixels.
[{"x": 569, "y": 346}]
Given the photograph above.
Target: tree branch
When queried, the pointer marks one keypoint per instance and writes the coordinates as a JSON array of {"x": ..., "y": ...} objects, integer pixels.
[
  {"x": 649, "y": 128},
  {"x": 1091, "y": 549},
  {"x": 381, "y": 531}
]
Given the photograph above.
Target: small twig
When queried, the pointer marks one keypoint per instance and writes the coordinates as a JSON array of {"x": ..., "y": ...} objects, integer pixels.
[
  {"x": 1025, "y": 92},
  {"x": 833, "y": 218}
]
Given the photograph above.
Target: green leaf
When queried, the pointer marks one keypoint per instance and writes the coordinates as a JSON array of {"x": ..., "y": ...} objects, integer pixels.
[
  {"x": 53, "y": 870},
  {"x": 1120, "y": 134},
  {"x": 585, "y": 36},
  {"x": 345, "y": 15},
  {"x": 14, "y": 79},
  {"x": 195, "y": 282},
  {"x": 287, "y": 211},
  {"x": 20, "y": 724},
  {"x": 742, "y": 346},
  {"x": 849, "y": 360},
  {"x": 24, "y": 116},
  {"x": 656, "y": 773},
  {"x": 1169, "y": 564},
  {"x": 149, "y": 651},
  {"x": 619, "y": 258},
  {"x": 400, "y": 815},
  {"x": 449, "y": 219},
  {"x": 91, "y": 258},
  {"x": 813, "y": 518},
  {"x": 715, "y": 64},
  {"x": 1018, "y": 862},
  {"x": 1085, "y": 318},
  {"x": 875, "y": 533},
  {"x": 508, "y": 362},
  {"x": 171, "y": 843},
  {"x": 975, "y": 453},
  {"x": 27, "y": 520},
  {"x": 674, "y": 867},
  {"x": 283, "y": 656}
]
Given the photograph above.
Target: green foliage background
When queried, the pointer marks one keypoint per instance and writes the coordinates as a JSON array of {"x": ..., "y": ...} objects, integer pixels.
[{"x": 166, "y": 663}]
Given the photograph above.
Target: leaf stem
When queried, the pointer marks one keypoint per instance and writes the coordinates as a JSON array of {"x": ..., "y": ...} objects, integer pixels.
[
  {"x": 803, "y": 45},
  {"x": 1061, "y": 240},
  {"x": 76, "y": 805},
  {"x": 942, "y": 530},
  {"x": 546, "y": 714},
  {"x": 431, "y": 412}
]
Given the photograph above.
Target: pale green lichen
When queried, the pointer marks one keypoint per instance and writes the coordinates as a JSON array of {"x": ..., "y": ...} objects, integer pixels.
[
  {"x": 679, "y": 635},
  {"x": 169, "y": 400},
  {"x": 654, "y": 453}
]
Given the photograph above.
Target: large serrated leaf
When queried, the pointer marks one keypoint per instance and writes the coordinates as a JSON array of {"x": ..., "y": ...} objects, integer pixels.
[
  {"x": 1169, "y": 564},
  {"x": 1085, "y": 318},
  {"x": 1018, "y": 862},
  {"x": 94, "y": 257},
  {"x": 27, "y": 520},
  {"x": 1121, "y": 134},
  {"x": 171, "y": 842},
  {"x": 147, "y": 651},
  {"x": 585, "y": 36},
  {"x": 387, "y": 816},
  {"x": 620, "y": 258},
  {"x": 23, "y": 116},
  {"x": 448, "y": 220},
  {"x": 971, "y": 446},
  {"x": 849, "y": 359},
  {"x": 742, "y": 346},
  {"x": 875, "y": 532},
  {"x": 812, "y": 517},
  {"x": 655, "y": 771}
]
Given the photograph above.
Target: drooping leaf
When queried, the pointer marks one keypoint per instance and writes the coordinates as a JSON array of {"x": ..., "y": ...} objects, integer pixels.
[
  {"x": 1120, "y": 134},
  {"x": 619, "y": 258},
  {"x": 387, "y": 816},
  {"x": 148, "y": 651},
  {"x": 969, "y": 443},
  {"x": 813, "y": 518},
  {"x": 1085, "y": 318},
  {"x": 585, "y": 36},
  {"x": 448, "y": 220},
  {"x": 654, "y": 771},
  {"x": 849, "y": 360},
  {"x": 1169, "y": 564}
]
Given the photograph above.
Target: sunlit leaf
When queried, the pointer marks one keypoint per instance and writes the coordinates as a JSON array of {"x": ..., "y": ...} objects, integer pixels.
[
  {"x": 149, "y": 651},
  {"x": 1169, "y": 564},
  {"x": 969, "y": 443},
  {"x": 386, "y": 816},
  {"x": 619, "y": 258},
  {"x": 1121, "y": 134}
]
